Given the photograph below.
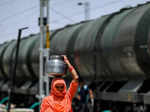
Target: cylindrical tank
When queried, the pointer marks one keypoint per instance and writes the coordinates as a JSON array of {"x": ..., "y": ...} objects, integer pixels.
[
  {"x": 122, "y": 43},
  {"x": 24, "y": 71},
  {"x": 113, "y": 47},
  {"x": 2, "y": 50},
  {"x": 24, "y": 60},
  {"x": 7, "y": 57}
]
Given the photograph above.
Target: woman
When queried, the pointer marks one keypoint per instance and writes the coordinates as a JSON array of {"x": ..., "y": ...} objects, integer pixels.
[{"x": 60, "y": 100}]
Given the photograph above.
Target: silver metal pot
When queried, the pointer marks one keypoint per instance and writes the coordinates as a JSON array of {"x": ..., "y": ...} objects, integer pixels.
[{"x": 56, "y": 66}]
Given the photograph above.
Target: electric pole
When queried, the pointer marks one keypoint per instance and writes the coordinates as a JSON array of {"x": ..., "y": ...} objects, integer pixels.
[
  {"x": 86, "y": 5},
  {"x": 44, "y": 50},
  {"x": 12, "y": 70}
]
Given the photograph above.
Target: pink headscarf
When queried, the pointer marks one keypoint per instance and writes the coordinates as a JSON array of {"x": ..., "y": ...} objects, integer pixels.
[
  {"x": 54, "y": 91},
  {"x": 59, "y": 101}
]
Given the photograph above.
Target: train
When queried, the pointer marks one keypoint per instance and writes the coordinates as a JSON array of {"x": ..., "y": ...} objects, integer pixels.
[{"x": 111, "y": 52}]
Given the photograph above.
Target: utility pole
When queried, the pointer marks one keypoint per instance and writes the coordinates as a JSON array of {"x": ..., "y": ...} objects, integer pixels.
[
  {"x": 87, "y": 10},
  {"x": 86, "y": 5},
  {"x": 12, "y": 71},
  {"x": 44, "y": 50}
]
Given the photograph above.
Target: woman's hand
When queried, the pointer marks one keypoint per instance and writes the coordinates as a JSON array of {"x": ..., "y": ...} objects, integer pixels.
[
  {"x": 66, "y": 60},
  {"x": 71, "y": 68}
]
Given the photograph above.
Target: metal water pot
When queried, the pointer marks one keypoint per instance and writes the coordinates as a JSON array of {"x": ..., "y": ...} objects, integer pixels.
[{"x": 56, "y": 66}]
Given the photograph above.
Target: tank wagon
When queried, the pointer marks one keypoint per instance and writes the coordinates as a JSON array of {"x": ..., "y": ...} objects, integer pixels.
[{"x": 111, "y": 52}]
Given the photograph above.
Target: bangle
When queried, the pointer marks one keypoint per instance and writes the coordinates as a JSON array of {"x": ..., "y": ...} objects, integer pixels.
[{"x": 71, "y": 68}]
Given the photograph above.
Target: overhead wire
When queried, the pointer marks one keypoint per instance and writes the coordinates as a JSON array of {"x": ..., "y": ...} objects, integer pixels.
[
  {"x": 13, "y": 15},
  {"x": 100, "y": 7},
  {"x": 22, "y": 12},
  {"x": 18, "y": 13},
  {"x": 31, "y": 8},
  {"x": 11, "y": 34},
  {"x": 62, "y": 2},
  {"x": 57, "y": 12},
  {"x": 6, "y": 2}
]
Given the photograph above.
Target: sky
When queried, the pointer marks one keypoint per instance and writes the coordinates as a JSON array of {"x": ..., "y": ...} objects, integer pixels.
[{"x": 16, "y": 14}]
